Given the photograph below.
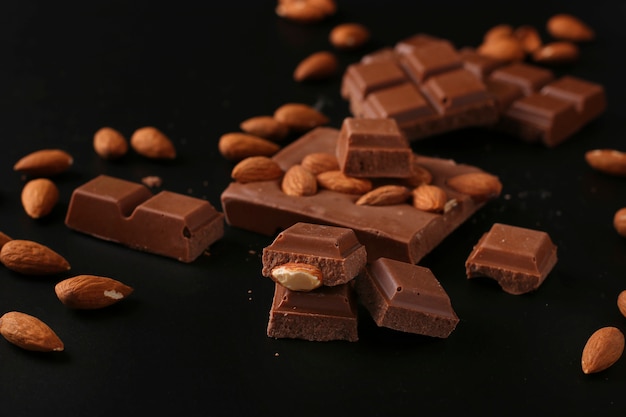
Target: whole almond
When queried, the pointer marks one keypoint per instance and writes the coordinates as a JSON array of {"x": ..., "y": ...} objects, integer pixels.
[
  {"x": 109, "y": 143},
  {"x": 619, "y": 221},
  {"x": 299, "y": 181},
  {"x": 478, "y": 185},
  {"x": 349, "y": 36},
  {"x": 528, "y": 37},
  {"x": 506, "y": 49},
  {"x": 603, "y": 349},
  {"x": 237, "y": 146},
  {"x": 44, "y": 163},
  {"x": 300, "y": 117},
  {"x": 29, "y": 332},
  {"x": 317, "y": 66},
  {"x": 4, "y": 238},
  {"x": 384, "y": 195},
  {"x": 265, "y": 127},
  {"x": 39, "y": 196},
  {"x": 256, "y": 168},
  {"x": 90, "y": 292},
  {"x": 502, "y": 30},
  {"x": 568, "y": 27},
  {"x": 419, "y": 175},
  {"x": 430, "y": 198},
  {"x": 561, "y": 52},
  {"x": 621, "y": 302},
  {"x": 152, "y": 143},
  {"x": 608, "y": 161},
  {"x": 306, "y": 11},
  {"x": 32, "y": 258},
  {"x": 297, "y": 276},
  {"x": 318, "y": 162},
  {"x": 338, "y": 181}
]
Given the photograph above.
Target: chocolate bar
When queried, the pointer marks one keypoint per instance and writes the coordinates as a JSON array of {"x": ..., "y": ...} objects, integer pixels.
[
  {"x": 397, "y": 231},
  {"x": 168, "y": 224},
  {"x": 324, "y": 314},
  {"x": 406, "y": 297},
  {"x": 334, "y": 250},
  {"x": 519, "y": 259}
]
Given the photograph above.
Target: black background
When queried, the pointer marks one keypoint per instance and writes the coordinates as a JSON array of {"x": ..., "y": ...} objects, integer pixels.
[{"x": 191, "y": 339}]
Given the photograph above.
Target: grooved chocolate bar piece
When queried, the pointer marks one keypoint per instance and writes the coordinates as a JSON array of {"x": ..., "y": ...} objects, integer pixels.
[
  {"x": 406, "y": 297},
  {"x": 334, "y": 250},
  {"x": 324, "y": 314},
  {"x": 168, "y": 224},
  {"x": 519, "y": 259}
]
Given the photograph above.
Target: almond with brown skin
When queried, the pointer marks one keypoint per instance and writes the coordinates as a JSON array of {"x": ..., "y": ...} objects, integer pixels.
[
  {"x": 256, "y": 168},
  {"x": 338, "y": 181},
  {"x": 152, "y": 143},
  {"x": 621, "y": 303},
  {"x": 317, "y": 66},
  {"x": 528, "y": 37},
  {"x": 237, "y": 146},
  {"x": 602, "y": 350},
  {"x": 4, "y": 239},
  {"x": 480, "y": 186},
  {"x": 419, "y": 175},
  {"x": 110, "y": 143},
  {"x": 298, "y": 276},
  {"x": 430, "y": 198},
  {"x": 503, "y": 30},
  {"x": 32, "y": 258},
  {"x": 506, "y": 49},
  {"x": 29, "y": 332},
  {"x": 619, "y": 221},
  {"x": 44, "y": 163},
  {"x": 349, "y": 36},
  {"x": 265, "y": 127},
  {"x": 568, "y": 27},
  {"x": 384, "y": 195},
  {"x": 562, "y": 52},
  {"x": 608, "y": 161},
  {"x": 306, "y": 11},
  {"x": 318, "y": 162},
  {"x": 39, "y": 196},
  {"x": 300, "y": 117},
  {"x": 89, "y": 292},
  {"x": 299, "y": 181}
]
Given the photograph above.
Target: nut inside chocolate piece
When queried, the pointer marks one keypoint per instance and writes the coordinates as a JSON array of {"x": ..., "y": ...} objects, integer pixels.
[{"x": 519, "y": 259}]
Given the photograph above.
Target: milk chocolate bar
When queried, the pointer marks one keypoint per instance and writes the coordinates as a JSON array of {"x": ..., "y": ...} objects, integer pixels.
[
  {"x": 406, "y": 297},
  {"x": 519, "y": 259},
  {"x": 168, "y": 224},
  {"x": 334, "y": 250}
]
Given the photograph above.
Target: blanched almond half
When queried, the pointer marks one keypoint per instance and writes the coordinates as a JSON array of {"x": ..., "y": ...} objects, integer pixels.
[{"x": 298, "y": 276}]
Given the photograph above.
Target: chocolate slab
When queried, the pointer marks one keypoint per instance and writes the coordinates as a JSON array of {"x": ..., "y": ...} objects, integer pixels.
[
  {"x": 396, "y": 231},
  {"x": 336, "y": 251},
  {"x": 168, "y": 224},
  {"x": 519, "y": 259},
  {"x": 406, "y": 297},
  {"x": 324, "y": 314}
]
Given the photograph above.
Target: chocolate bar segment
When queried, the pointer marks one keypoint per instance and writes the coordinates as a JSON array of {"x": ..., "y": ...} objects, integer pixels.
[
  {"x": 519, "y": 259},
  {"x": 168, "y": 224},
  {"x": 406, "y": 297}
]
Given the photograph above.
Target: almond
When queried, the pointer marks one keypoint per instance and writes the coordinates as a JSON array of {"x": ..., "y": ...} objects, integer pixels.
[
  {"x": 318, "y": 162},
  {"x": 506, "y": 49},
  {"x": 317, "y": 66},
  {"x": 32, "y": 258},
  {"x": 603, "y": 349},
  {"x": 621, "y": 302},
  {"x": 3, "y": 239},
  {"x": 109, "y": 143},
  {"x": 39, "y": 196},
  {"x": 152, "y": 143},
  {"x": 297, "y": 276},
  {"x": 237, "y": 146},
  {"x": 29, "y": 332},
  {"x": 299, "y": 181},
  {"x": 300, "y": 117},
  {"x": 256, "y": 168},
  {"x": 419, "y": 175},
  {"x": 478, "y": 185},
  {"x": 384, "y": 195},
  {"x": 557, "y": 53},
  {"x": 44, "y": 163},
  {"x": 265, "y": 127},
  {"x": 528, "y": 37},
  {"x": 502, "y": 30},
  {"x": 430, "y": 198},
  {"x": 619, "y": 221},
  {"x": 568, "y": 27},
  {"x": 608, "y": 161},
  {"x": 306, "y": 11},
  {"x": 91, "y": 291},
  {"x": 338, "y": 181},
  {"x": 349, "y": 36}
]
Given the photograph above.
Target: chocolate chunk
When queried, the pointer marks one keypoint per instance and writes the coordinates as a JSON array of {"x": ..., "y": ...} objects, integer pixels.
[
  {"x": 529, "y": 78},
  {"x": 334, "y": 250},
  {"x": 168, "y": 224},
  {"x": 519, "y": 259},
  {"x": 406, "y": 297},
  {"x": 324, "y": 314}
]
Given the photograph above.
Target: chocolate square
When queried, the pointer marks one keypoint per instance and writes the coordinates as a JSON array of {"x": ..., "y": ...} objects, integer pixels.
[
  {"x": 361, "y": 79},
  {"x": 529, "y": 78},
  {"x": 587, "y": 97},
  {"x": 404, "y": 103},
  {"x": 454, "y": 90},
  {"x": 430, "y": 58}
]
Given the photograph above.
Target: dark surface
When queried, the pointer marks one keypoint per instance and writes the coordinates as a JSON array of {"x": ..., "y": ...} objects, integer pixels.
[{"x": 191, "y": 339}]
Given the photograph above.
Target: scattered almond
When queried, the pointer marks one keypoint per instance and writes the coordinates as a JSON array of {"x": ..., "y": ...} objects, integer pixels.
[
  {"x": 32, "y": 258},
  {"x": 29, "y": 332},
  {"x": 338, "y": 181},
  {"x": 265, "y": 127},
  {"x": 152, "y": 143},
  {"x": 478, "y": 185},
  {"x": 297, "y": 276},
  {"x": 256, "y": 168},
  {"x": 237, "y": 146},
  {"x": 506, "y": 49},
  {"x": 603, "y": 349},
  {"x": 317, "y": 66},
  {"x": 3, "y": 239},
  {"x": 44, "y": 163},
  {"x": 318, "y": 162},
  {"x": 561, "y": 52},
  {"x": 109, "y": 143},
  {"x": 528, "y": 37},
  {"x": 349, "y": 36},
  {"x": 298, "y": 181},
  {"x": 91, "y": 291},
  {"x": 503, "y": 30},
  {"x": 619, "y": 221},
  {"x": 152, "y": 181},
  {"x": 384, "y": 195},
  {"x": 568, "y": 27},
  {"x": 39, "y": 196},
  {"x": 621, "y": 302},
  {"x": 430, "y": 198},
  {"x": 306, "y": 11},
  {"x": 300, "y": 117},
  {"x": 608, "y": 161}
]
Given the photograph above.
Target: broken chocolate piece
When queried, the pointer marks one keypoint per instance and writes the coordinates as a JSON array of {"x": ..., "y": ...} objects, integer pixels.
[{"x": 519, "y": 259}]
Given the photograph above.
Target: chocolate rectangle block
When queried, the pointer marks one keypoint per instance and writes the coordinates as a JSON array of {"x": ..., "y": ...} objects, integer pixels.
[
  {"x": 406, "y": 297},
  {"x": 324, "y": 314},
  {"x": 168, "y": 224},
  {"x": 519, "y": 259}
]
